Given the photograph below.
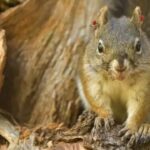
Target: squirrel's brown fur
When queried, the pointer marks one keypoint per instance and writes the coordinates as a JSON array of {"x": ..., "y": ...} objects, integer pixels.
[{"x": 114, "y": 73}]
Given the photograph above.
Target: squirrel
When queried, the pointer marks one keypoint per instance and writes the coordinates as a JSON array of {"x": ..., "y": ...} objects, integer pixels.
[{"x": 114, "y": 73}]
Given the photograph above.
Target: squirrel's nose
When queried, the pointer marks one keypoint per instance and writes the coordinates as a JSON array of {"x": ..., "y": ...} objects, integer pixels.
[{"x": 119, "y": 66}]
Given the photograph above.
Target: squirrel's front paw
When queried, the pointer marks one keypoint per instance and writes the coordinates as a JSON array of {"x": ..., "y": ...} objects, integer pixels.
[
  {"x": 128, "y": 134},
  {"x": 104, "y": 122},
  {"x": 136, "y": 135},
  {"x": 100, "y": 124},
  {"x": 143, "y": 134}
]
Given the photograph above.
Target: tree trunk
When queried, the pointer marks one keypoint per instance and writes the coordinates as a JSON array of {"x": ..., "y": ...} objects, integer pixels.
[{"x": 44, "y": 40}]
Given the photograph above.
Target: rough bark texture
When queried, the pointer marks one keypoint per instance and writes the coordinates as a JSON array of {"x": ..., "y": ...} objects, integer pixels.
[
  {"x": 44, "y": 42},
  {"x": 83, "y": 135},
  {"x": 45, "y": 39},
  {"x": 7, "y": 129}
]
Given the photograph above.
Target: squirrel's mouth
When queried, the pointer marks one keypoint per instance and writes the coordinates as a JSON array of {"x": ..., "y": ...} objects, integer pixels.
[{"x": 118, "y": 75}]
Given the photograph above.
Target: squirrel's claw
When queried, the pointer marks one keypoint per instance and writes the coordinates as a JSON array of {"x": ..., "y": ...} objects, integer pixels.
[
  {"x": 104, "y": 122},
  {"x": 98, "y": 123},
  {"x": 108, "y": 123},
  {"x": 127, "y": 135},
  {"x": 123, "y": 131},
  {"x": 132, "y": 140},
  {"x": 141, "y": 136},
  {"x": 101, "y": 123}
]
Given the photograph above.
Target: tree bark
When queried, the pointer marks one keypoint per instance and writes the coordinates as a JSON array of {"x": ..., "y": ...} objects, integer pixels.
[{"x": 44, "y": 40}]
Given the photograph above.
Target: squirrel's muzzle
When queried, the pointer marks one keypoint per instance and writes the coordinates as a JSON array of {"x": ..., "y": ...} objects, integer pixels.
[
  {"x": 119, "y": 69},
  {"x": 119, "y": 66}
]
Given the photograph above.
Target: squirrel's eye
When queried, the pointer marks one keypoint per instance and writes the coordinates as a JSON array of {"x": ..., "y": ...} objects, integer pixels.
[
  {"x": 138, "y": 47},
  {"x": 100, "y": 48}
]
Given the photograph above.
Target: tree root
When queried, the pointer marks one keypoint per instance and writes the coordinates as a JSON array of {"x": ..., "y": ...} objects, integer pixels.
[
  {"x": 8, "y": 132},
  {"x": 84, "y": 131},
  {"x": 83, "y": 135}
]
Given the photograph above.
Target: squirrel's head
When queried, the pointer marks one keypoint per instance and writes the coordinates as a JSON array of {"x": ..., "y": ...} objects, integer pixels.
[{"x": 118, "y": 46}]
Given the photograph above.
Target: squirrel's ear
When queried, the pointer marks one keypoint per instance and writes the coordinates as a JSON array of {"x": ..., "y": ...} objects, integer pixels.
[
  {"x": 101, "y": 19},
  {"x": 137, "y": 17},
  {"x": 102, "y": 16}
]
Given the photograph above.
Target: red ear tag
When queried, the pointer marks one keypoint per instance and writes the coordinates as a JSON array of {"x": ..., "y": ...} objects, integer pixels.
[
  {"x": 94, "y": 22},
  {"x": 142, "y": 18}
]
